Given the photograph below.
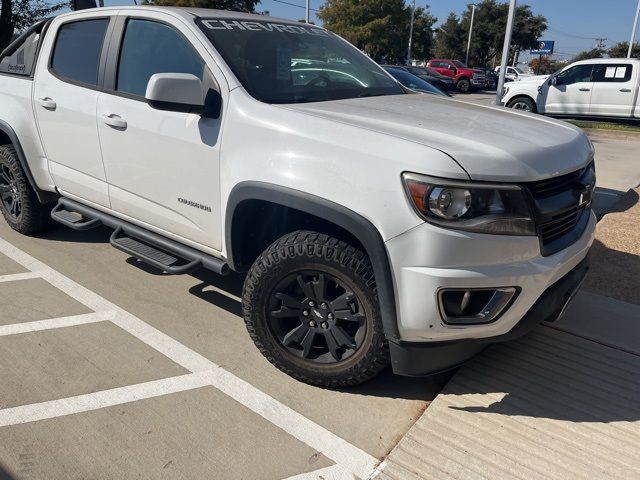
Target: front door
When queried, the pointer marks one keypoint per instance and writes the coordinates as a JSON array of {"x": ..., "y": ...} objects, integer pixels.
[
  {"x": 614, "y": 89},
  {"x": 162, "y": 167},
  {"x": 65, "y": 95},
  {"x": 572, "y": 93}
]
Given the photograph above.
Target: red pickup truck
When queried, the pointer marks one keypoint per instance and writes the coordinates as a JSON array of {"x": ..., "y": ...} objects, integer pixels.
[{"x": 465, "y": 78}]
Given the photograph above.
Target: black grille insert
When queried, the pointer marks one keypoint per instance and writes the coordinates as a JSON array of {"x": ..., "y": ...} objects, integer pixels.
[{"x": 559, "y": 204}]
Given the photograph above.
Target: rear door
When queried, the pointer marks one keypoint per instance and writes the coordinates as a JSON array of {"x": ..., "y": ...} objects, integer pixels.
[
  {"x": 572, "y": 93},
  {"x": 614, "y": 89},
  {"x": 162, "y": 166},
  {"x": 65, "y": 94}
]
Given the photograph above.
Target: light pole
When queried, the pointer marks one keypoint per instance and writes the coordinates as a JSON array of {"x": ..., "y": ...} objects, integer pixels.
[
  {"x": 505, "y": 51},
  {"x": 633, "y": 32},
  {"x": 306, "y": 16},
  {"x": 413, "y": 11},
  {"x": 473, "y": 13}
]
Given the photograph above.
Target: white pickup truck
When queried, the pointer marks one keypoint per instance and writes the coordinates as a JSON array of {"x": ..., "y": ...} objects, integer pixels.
[
  {"x": 376, "y": 226},
  {"x": 601, "y": 87}
]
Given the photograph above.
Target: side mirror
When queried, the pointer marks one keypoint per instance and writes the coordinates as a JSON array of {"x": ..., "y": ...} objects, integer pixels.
[
  {"x": 554, "y": 81},
  {"x": 176, "y": 92}
]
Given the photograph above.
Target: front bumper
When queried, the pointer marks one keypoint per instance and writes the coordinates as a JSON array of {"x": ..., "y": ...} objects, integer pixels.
[
  {"x": 428, "y": 258},
  {"x": 418, "y": 359}
]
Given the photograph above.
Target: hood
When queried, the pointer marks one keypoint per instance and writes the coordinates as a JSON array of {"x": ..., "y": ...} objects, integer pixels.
[
  {"x": 490, "y": 143},
  {"x": 538, "y": 79}
]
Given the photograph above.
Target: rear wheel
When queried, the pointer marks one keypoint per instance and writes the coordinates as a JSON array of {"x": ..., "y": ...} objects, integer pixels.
[
  {"x": 311, "y": 307},
  {"x": 522, "y": 103},
  {"x": 464, "y": 85},
  {"x": 18, "y": 202}
]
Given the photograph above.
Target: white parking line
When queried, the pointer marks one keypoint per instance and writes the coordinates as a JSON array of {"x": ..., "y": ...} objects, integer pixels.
[
  {"x": 348, "y": 457},
  {"x": 51, "y": 323},
  {"x": 334, "y": 472},
  {"x": 14, "y": 277}
]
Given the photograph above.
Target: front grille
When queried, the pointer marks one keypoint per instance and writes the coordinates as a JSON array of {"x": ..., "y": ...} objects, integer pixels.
[
  {"x": 560, "y": 224},
  {"x": 560, "y": 205}
]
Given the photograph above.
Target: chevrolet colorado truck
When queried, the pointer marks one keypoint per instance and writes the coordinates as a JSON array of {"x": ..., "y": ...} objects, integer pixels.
[
  {"x": 600, "y": 87},
  {"x": 465, "y": 79},
  {"x": 374, "y": 226}
]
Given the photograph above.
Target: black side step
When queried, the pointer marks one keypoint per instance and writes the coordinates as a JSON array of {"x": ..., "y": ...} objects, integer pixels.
[
  {"x": 156, "y": 250},
  {"x": 73, "y": 219}
]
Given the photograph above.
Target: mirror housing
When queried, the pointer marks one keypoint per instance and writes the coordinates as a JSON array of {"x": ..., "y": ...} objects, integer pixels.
[
  {"x": 176, "y": 92},
  {"x": 553, "y": 81}
]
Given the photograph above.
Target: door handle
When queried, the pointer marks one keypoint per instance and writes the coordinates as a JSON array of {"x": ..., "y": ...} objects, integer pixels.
[
  {"x": 625, "y": 90},
  {"x": 47, "y": 103},
  {"x": 585, "y": 89},
  {"x": 115, "y": 121}
]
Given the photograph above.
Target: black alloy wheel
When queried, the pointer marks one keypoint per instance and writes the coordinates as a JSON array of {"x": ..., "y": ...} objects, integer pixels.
[
  {"x": 317, "y": 317},
  {"x": 10, "y": 195}
]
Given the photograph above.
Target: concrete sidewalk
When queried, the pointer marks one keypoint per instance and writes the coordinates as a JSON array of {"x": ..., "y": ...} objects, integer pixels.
[{"x": 562, "y": 402}]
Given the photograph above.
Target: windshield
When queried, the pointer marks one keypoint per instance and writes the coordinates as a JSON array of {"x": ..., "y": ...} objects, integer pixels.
[
  {"x": 409, "y": 80},
  {"x": 459, "y": 64},
  {"x": 287, "y": 63},
  {"x": 518, "y": 69}
]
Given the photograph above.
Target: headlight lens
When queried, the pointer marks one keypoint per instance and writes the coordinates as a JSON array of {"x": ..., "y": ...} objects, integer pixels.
[{"x": 475, "y": 207}]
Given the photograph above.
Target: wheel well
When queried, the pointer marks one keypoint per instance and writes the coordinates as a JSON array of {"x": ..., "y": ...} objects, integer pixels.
[
  {"x": 4, "y": 138},
  {"x": 257, "y": 224},
  {"x": 462, "y": 78}
]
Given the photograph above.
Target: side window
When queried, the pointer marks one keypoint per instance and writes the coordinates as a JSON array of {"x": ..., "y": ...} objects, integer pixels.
[
  {"x": 22, "y": 60},
  {"x": 150, "y": 47},
  {"x": 579, "y": 73},
  {"x": 612, "y": 73},
  {"x": 76, "y": 54}
]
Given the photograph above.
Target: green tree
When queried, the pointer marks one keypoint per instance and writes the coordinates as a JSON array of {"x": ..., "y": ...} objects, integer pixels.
[
  {"x": 489, "y": 25},
  {"x": 620, "y": 50},
  {"x": 449, "y": 38},
  {"x": 237, "y": 5},
  {"x": 17, "y": 15},
  {"x": 380, "y": 28},
  {"x": 588, "y": 54}
]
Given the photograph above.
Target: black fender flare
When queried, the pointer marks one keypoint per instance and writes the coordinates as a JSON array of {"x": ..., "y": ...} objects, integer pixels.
[
  {"x": 332, "y": 212},
  {"x": 43, "y": 196}
]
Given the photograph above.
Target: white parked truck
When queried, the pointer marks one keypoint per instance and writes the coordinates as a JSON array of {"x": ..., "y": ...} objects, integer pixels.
[
  {"x": 375, "y": 226},
  {"x": 601, "y": 87}
]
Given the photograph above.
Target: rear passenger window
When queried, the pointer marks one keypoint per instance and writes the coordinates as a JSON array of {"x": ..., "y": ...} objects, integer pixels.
[
  {"x": 612, "y": 73},
  {"x": 76, "y": 54},
  {"x": 150, "y": 47}
]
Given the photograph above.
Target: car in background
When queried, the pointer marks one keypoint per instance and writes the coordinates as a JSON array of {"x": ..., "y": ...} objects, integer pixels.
[
  {"x": 600, "y": 87},
  {"x": 430, "y": 75},
  {"x": 514, "y": 73},
  {"x": 491, "y": 78},
  {"x": 466, "y": 79},
  {"x": 414, "y": 83}
]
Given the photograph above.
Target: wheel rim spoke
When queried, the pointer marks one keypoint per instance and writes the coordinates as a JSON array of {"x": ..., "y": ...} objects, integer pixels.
[
  {"x": 319, "y": 287},
  {"x": 342, "y": 337},
  {"x": 307, "y": 343},
  {"x": 350, "y": 317},
  {"x": 342, "y": 302},
  {"x": 296, "y": 335},
  {"x": 288, "y": 300},
  {"x": 285, "y": 312},
  {"x": 332, "y": 345},
  {"x": 5, "y": 190},
  {"x": 306, "y": 287}
]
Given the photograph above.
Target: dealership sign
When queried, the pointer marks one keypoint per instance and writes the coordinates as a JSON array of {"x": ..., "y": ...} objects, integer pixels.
[{"x": 545, "y": 47}]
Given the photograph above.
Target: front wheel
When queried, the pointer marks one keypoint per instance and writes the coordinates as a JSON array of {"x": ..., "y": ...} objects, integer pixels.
[
  {"x": 310, "y": 305},
  {"x": 464, "y": 85},
  {"x": 522, "y": 103}
]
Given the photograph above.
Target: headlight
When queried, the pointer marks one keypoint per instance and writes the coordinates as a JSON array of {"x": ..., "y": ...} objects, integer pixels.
[{"x": 474, "y": 207}]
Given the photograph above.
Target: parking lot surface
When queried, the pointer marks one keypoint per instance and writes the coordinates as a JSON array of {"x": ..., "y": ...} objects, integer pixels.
[{"x": 110, "y": 372}]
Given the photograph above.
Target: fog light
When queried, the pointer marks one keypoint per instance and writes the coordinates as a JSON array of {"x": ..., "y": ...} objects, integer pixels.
[{"x": 474, "y": 306}]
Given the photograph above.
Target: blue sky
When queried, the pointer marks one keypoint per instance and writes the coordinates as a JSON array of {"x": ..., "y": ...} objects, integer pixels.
[{"x": 568, "y": 19}]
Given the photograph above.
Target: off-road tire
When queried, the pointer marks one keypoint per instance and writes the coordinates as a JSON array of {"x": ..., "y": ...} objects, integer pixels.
[
  {"x": 34, "y": 216},
  {"x": 306, "y": 250}
]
